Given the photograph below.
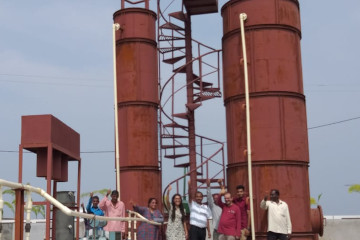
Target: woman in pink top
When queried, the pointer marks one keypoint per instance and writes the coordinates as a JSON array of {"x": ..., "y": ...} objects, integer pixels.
[{"x": 113, "y": 208}]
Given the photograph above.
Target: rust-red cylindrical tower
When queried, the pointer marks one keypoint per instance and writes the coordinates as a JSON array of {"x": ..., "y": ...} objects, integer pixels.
[
  {"x": 279, "y": 137},
  {"x": 137, "y": 95}
]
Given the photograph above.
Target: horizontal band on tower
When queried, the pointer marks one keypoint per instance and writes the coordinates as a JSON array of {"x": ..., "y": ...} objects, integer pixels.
[
  {"x": 270, "y": 162},
  {"x": 138, "y": 103},
  {"x": 265, "y": 94},
  {"x": 136, "y": 40},
  {"x": 139, "y": 168},
  {"x": 296, "y": 2},
  {"x": 263, "y": 27}
]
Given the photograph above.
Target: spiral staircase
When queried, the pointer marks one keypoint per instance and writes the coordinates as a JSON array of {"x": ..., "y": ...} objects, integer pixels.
[{"x": 193, "y": 77}]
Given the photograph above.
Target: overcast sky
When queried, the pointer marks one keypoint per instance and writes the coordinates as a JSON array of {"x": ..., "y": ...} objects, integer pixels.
[{"x": 56, "y": 58}]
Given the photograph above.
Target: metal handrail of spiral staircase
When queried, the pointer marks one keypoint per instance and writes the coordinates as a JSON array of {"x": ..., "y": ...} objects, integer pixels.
[
  {"x": 173, "y": 92},
  {"x": 188, "y": 174}
]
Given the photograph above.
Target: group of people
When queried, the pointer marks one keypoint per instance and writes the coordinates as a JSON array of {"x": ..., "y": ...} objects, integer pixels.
[
  {"x": 231, "y": 218},
  {"x": 112, "y": 207}
]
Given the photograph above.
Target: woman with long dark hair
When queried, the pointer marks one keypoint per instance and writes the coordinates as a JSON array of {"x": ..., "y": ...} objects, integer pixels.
[
  {"x": 147, "y": 231},
  {"x": 176, "y": 227}
]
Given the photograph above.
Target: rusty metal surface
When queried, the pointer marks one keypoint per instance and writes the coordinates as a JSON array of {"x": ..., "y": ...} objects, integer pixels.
[
  {"x": 37, "y": 131},
  {"x": 55, "y": 144},
  {"x": 194, "y": 7},
  {"x": 19, "y": 213},
  {"x": 280, "y": 151},
  {"x": 138, "y": 100}
]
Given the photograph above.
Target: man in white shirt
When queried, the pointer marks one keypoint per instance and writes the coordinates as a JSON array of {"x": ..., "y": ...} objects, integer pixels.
[
  {"x": 215, "y": 209},
  {"x": 279, "y": 223},
  {"x": 200, "y": 215}
]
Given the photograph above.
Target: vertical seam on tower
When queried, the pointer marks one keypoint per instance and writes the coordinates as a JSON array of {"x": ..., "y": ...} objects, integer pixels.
[
  {"x": 276, "y": 12},
  {"x": 282, "y": 128},
  {"x": 252, "y": 61}
]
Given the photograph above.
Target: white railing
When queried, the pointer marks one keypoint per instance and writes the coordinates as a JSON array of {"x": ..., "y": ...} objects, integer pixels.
[{"x": 137, "y": 217}]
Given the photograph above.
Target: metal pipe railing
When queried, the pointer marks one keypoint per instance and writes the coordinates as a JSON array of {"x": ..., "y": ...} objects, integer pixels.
[
  {"x": 63, "y": 208},
  {"x": 1, "y": 209},
  {"x": 28, "y": 208},
  {"x": 243, "y": 17},
  {"x": 116, "y": 27}
]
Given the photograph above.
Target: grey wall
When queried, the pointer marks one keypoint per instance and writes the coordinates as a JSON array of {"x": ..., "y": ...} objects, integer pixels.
[{"x": 341, "y": 227}]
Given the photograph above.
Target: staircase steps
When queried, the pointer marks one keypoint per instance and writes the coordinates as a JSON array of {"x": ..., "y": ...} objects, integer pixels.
[
  {"x": 202, "y": 98},
  {"x": 206, "y": 94},
  {"x": 174, "y": 156},
  {"x": 174, "y": 125},
  {"x": 173, "y": 60},
  {"x": 196, "y": 77},
  {"x": 193, "y": 106},
  {"x": 204, "y": 84},
  {"x": 182, "y": 165},
  {"x": 170, "y": 49},
  {"x": 181, "y": 115},
  {"x": 195, "y": 7},
  {"x": 181, "y": 69},
  {"x": 170, "y": 38},
  {"x": 171, "y": 26},
  {"x": 173, "y": 136},
  {"x": 174, "y": 146},
  {"x": 211, "y": 92},
  {"x": 178, "y": 15}
]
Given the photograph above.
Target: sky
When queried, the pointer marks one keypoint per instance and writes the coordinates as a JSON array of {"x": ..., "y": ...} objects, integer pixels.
[{"x": 56, "y": 58}]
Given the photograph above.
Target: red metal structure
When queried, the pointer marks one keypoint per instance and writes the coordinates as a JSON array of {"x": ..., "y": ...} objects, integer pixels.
[
  {"x": 147, "y": 105},
  {"x": 138, "y": 101},
  {"x": 277, "y": 105},
  {"x": 55, "y": 144},
  {"x": 195, "y": 78}
]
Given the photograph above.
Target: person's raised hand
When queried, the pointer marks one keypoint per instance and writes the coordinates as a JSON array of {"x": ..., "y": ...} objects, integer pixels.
[{"x": 223, "y": 190}]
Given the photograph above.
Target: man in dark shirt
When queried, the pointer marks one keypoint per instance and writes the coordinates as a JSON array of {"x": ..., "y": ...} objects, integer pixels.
[{"x": 242, "y": 202}]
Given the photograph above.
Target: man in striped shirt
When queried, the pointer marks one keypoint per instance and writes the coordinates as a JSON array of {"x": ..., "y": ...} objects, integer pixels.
[{"x": 200, "y": 215}]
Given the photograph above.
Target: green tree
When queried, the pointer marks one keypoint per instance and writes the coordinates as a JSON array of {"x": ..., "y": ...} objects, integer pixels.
[
  {"x": 38, "y": 209},
  {"x": 10, "y": 205},
  {"x": 100, "y": 192},
  {"x": 313, "y": 201},
  {"x": 354, "y": 188}
]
